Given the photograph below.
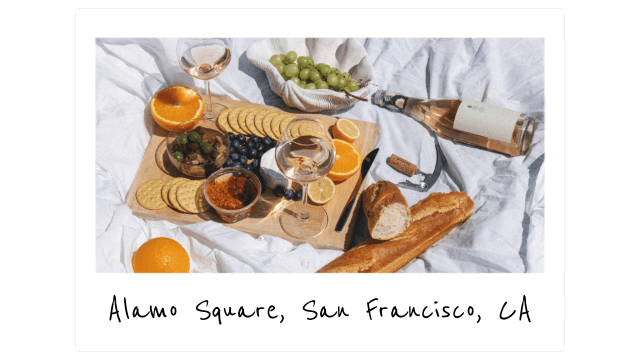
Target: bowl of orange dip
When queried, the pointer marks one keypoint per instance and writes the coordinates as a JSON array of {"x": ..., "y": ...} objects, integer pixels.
[{"x": 233, "y": 193}]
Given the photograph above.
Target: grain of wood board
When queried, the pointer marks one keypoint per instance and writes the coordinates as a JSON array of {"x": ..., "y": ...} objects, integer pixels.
[{"x": 155, "y": 165}]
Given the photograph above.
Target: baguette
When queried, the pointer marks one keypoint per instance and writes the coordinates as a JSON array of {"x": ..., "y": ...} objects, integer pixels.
[
  {"x": 433, "y": 218},
  {"x": 386, "y": 210}
]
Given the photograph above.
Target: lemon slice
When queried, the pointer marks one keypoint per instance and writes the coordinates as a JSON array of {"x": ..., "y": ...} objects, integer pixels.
[
  {"x": 345, "y": 130},
  {"x": 322, "y": 191}
]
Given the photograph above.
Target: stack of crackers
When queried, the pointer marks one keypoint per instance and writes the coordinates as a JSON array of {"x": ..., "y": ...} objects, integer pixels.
[
  {"x": 260, "y": 122},
  {"x": 180, "y": 193}
]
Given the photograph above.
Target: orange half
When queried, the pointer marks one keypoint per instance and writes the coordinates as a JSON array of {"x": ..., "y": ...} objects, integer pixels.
[
  {"x": 348, "y": 161},
  {"x": 174, "y": 105}
]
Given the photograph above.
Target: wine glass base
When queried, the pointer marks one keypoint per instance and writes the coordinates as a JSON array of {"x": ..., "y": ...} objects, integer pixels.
[
  {"x": 213, "y": 110},
  {"x": 293, "y": 226}
]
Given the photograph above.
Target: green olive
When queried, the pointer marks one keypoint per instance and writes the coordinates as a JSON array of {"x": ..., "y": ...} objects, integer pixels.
[
  {"x": 195, "y": 136},
  {"x": 206, "y": 147},
  {"x": 182, "y": 139},
  {"x": 178, "y": 155}
]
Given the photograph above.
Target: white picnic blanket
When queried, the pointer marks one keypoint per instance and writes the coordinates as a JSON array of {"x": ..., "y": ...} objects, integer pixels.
[{"x": 505, "y": 233}]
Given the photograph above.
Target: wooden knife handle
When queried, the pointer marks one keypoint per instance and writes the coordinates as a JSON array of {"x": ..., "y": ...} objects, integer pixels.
[{"x": 402, "y": 165}]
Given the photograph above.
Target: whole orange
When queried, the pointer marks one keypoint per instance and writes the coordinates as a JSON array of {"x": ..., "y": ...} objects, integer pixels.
[{"x": 161, "y": 255}]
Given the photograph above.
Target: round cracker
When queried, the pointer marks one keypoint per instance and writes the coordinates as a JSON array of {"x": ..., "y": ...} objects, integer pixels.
[
  {"x": 149, "y": 194},
  {"x": 323, "y": 122},
  {"x": 266, "y": 125},
  {"x": 233, "y": 120},
  {"x": 190, "y": 195},
  {"x": 167, "y": 186},
  {"x": 275, "y": 124},
  {"x": 223, "y": 121},
  {"x": 271, "y": 113},
  {"x": 311, "y": 129},
  {"x": 294, "y": 130},
  {"x": 242, "y": 117},
  {"x": 173, "y": 190},
  {"x": 284, "y": 123},
  {"x": 251, "y": 125},
  {"x": 258, "y": 120}
]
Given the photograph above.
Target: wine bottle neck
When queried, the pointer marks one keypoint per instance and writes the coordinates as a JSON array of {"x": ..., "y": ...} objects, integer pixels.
[{"x": 389, "y": 100}]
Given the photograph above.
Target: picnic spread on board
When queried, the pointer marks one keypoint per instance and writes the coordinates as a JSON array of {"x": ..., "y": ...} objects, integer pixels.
[{"x": 281, "y": 172}]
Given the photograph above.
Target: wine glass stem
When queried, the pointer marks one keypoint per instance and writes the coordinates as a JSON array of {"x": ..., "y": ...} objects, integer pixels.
[
  {"x": 304, "y": 214},
  {"x": 209, "y": 108}
]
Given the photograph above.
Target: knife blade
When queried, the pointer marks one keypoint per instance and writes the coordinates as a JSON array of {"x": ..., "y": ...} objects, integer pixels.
[{"x": 364, "y": 169}]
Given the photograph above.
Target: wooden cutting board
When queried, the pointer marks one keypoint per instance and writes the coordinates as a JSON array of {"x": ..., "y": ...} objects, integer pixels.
[{"x": 155, "y": 165}]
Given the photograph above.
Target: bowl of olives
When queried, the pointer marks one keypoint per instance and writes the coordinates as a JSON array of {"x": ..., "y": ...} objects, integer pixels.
[{"x": 199, "y": 151}]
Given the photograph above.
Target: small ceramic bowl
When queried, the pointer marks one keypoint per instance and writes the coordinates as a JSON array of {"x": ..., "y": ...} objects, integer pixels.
[{"x": 246, "y": 192}]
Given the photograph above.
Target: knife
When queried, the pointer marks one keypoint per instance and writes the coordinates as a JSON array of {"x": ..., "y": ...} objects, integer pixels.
[{"x": 364, "y": 169}]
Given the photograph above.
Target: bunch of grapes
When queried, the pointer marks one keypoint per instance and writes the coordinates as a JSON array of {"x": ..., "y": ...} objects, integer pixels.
[{"x": 304, "y": 73}]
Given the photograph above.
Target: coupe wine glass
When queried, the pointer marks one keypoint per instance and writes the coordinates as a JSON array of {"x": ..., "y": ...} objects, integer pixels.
[
  {"x": 204, "y": 59},
  {"x": 304, "y": 158}
]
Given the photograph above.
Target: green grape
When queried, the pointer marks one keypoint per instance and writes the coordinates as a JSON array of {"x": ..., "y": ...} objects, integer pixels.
[
  {"x": 315, "y": 75},
  {"x": 276, "y": 58},
  {"x": 322, "y": 85},
  {"x": 332, "y": 79},
  {"x": 326, "y": 70},
  {"x": 302, "y": 61},
  {"x": 291, "y": 70},
  {"x": 276, "y": 62},
  {"x": 304, "y": 73},
  {"x": 291, "y": 57}
]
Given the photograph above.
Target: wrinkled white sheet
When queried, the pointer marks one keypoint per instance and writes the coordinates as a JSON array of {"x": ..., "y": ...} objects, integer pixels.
[{"x": 504, "y": 234}]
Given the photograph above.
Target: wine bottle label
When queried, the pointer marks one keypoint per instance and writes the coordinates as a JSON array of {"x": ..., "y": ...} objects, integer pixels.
[
  {"x": 486, "y": 120},
  {"x": 389, "y": 100}
]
